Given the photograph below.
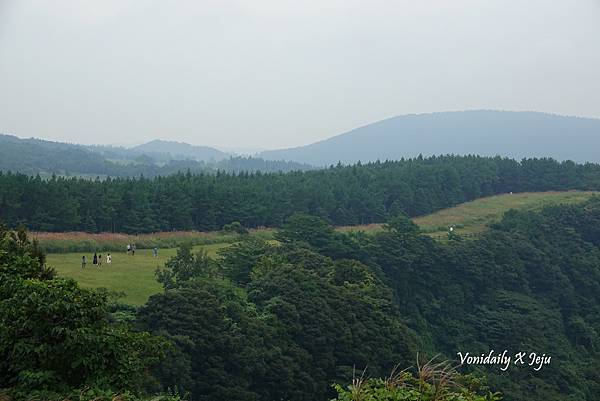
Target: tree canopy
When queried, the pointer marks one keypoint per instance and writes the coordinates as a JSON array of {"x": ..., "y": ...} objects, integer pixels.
[
  {"x": 57, "y": 340},
  {"x": 342, "y": 195}
]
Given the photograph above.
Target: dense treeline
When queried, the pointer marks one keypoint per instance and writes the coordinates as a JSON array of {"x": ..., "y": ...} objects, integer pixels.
[
  {"x": 293, "y": 330},
  {"x": 344, "y": 195},
  {"x": 61, "y": 342},
  {"x": 530, "y": 284},
  {"x": 286, "y": 321}
]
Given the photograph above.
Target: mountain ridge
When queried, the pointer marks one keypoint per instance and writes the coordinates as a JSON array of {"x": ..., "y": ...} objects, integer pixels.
[
  {"x": 181, "y": 150},
  {"x": 456, "y": 132},
  {"x": 34, "y": 156}
]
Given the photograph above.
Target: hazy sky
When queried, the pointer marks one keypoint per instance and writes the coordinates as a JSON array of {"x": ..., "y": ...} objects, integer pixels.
[{"x": 276, "y": 73}]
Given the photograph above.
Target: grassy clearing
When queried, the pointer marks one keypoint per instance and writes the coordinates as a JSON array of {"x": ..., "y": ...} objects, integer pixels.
[
  {"x": 473, "y": 217},
  {"x": 132, "y": 275}
]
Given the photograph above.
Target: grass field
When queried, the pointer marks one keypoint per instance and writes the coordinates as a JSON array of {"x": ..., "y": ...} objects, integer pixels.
[
  {"x": 134, "y": 275},
  {"x": 473, "y": 217}
]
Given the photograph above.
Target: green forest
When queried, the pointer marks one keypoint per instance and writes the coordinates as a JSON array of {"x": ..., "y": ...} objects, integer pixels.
[
  {"x": 299, "y": 200},
  {"x": 343, "y": 195},
  {"x": 320, "y": 315}
]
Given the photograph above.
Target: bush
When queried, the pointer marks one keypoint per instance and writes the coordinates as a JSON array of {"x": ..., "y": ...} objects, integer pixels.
[
  {"x": 432, "y": 382},
  {"x": 56, "y": 340},
  {"x": 235, "y": 227}
]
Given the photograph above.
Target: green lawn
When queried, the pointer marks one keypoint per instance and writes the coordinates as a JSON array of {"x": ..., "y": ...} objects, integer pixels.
[
  {"x": 133, "y": 275},
  {"x": 473, "y": 217}
]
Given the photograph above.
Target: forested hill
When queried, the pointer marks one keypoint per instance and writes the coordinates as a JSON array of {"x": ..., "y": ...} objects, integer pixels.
[
  {"x": 488, "y": 133},
  {"x": 35, "y": 156},
  {"x": 344, "y": 195},
  {"x": 179, "y": 150}
]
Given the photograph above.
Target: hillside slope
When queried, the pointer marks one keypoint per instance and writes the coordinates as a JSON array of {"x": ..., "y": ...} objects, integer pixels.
[
  {"x": 487, "y": 133},
  {"x": 36, "y": 156},
  {"x": 180, "y": 150},
  {"x": 474, "y": 217}
]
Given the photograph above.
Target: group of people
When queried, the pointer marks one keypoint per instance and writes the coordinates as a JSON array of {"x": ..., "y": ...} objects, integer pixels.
[
  {"x": 131, "y": 249},
  {"x": 96, "y": 260}
]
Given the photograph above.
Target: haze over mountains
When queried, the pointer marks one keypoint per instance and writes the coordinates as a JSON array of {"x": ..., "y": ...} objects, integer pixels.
[
  {"x": 35, "y": 156},
  {"x": 487, "y": 133},
  {"x": 181, "y": 151}
]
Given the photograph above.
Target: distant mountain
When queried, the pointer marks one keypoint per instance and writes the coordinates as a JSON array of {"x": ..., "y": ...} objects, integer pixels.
[
  {"x": 180, "y": 151},
  {"x": 35, "y": 156},
  {"x": 487, "y": 133}
]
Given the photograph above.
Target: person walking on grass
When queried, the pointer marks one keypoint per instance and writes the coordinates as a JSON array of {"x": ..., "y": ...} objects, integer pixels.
[
  {"x": 132, "y": 249},
  {"x": 100, "y": 260},
  {"x": 155, "y": 252},
  {"x": 108, "y": 259},
  {"x": 83, "y": 262},
  {"x": 95, "y": 260},
  {"x": 128, "y": 248}
]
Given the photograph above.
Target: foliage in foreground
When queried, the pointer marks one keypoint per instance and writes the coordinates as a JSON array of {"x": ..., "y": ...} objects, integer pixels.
[
  {"x": 295, "y": 317},
  {"x": 432, "y": 382},
  {"x": 271, "y": 323},
  {"x": 284, "y": 322},
  {"x": 56, "y": 339}
]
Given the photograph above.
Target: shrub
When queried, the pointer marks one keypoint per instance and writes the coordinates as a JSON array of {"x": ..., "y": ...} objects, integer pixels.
[{"x": 432, "y": 382}]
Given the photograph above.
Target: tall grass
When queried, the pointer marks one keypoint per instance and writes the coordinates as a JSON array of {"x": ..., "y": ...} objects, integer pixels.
[{"x": 106, "y": 242}]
